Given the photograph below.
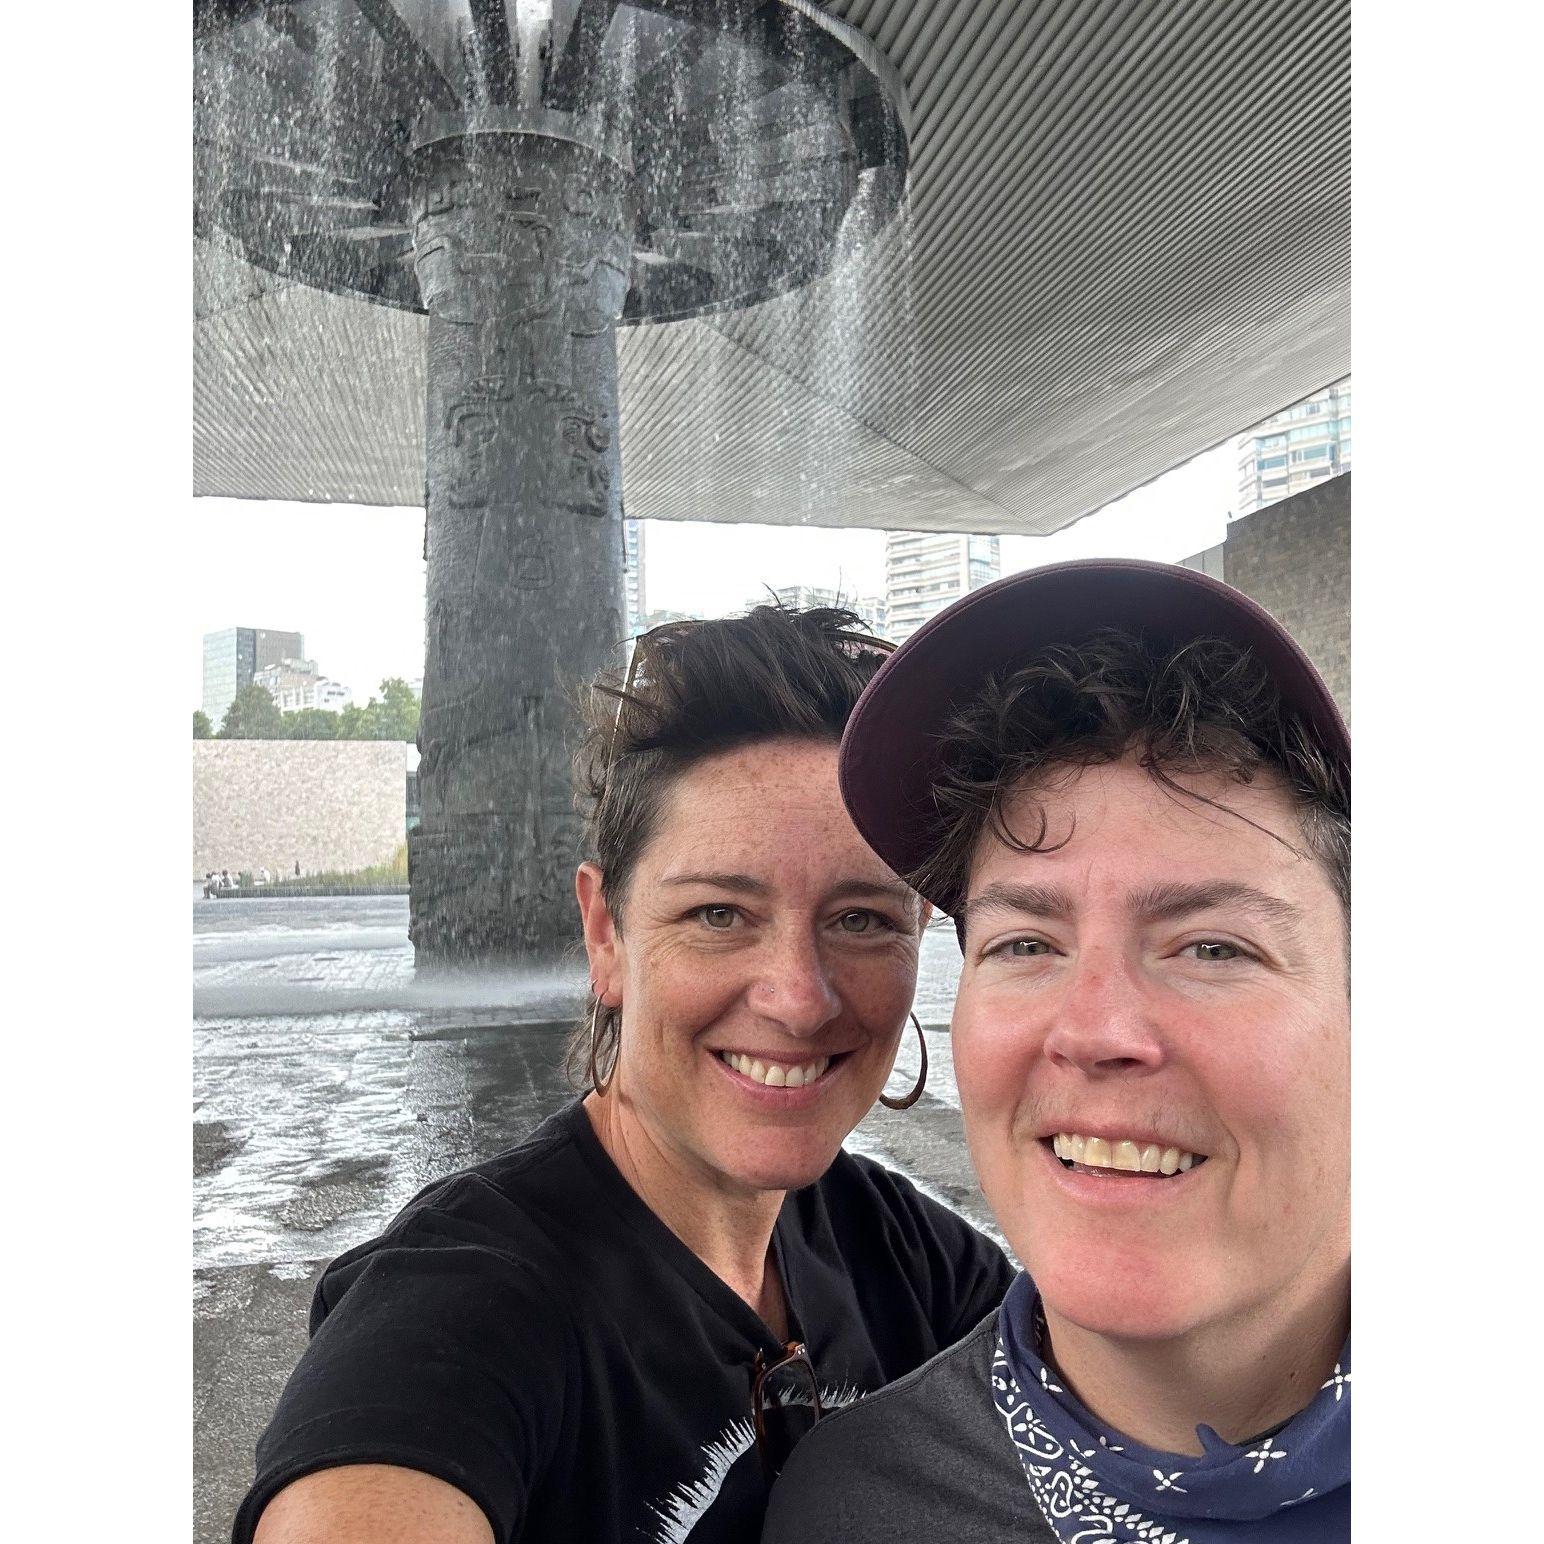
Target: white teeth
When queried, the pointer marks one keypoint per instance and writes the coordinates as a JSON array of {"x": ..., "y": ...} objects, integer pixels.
[
  {"x": 777, "y": 1074},
  {"x": 1122, "y": 1153}
]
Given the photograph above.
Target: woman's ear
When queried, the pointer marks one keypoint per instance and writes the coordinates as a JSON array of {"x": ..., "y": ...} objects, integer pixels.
[{"x": 601, "y": 938}]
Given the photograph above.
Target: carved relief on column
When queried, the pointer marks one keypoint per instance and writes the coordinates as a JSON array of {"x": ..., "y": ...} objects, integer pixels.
[{"x": 522, "y": 253}]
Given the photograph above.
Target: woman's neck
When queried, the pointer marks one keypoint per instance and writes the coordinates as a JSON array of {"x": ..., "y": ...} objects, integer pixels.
[
  {"x": 1241, "y": 1378},
  {"x": 728, "y": 1228}
]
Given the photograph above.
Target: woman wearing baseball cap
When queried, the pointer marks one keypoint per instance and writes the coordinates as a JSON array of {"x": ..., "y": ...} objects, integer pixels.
[{"x": 1130, "y": 788}]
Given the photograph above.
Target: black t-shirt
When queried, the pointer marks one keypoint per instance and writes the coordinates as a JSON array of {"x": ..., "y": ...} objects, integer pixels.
[{"x": 529, "y": 1331}]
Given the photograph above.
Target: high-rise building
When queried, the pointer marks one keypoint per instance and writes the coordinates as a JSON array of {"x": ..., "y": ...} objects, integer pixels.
[
  {"x": 652, "y": 619},
  {"x": 926, "y": 571},
  {"x": 234, "y": 655},
  {"x": 632, "y": 560},
  {"x": 874, "y": 613},
  {"x": 804, "y": 597},
  {"x": 796, "y": 597},
  {"x": 1295, "y": 448},
  {"x": 297, "y": 683}
]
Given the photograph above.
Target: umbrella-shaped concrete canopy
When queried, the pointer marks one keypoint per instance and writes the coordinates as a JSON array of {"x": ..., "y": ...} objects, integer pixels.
[{"x": 1128, "y": 236}]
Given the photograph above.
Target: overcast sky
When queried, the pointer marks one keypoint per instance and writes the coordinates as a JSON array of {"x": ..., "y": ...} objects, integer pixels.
[{"x": 351, "y": 578}]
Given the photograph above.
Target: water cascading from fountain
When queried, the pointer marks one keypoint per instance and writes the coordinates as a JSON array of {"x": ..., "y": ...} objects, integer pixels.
[{"x": 533, "y": 175}]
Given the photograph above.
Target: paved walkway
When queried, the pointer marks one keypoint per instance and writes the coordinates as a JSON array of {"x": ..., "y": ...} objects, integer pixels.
[{"x": 329, "y": 1087}]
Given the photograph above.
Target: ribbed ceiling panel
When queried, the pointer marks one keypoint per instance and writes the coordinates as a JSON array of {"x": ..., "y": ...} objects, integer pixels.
[{"x": 1129, "y": 238}]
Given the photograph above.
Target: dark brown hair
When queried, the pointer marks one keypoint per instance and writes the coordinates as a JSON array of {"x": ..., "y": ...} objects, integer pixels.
[
  {"x": 1204, "y": 706},
  {"x": 695, "y": 690}
]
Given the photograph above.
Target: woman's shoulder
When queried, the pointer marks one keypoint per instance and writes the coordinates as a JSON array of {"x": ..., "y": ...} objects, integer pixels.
[
  {"x": 856, "y": 1184},
  {"x": 505, "y": 1218},
  {"x": 543, "y": 1169},
  {"x": 879, "y": 1221},
  {"x": 922, "y": 1458}
]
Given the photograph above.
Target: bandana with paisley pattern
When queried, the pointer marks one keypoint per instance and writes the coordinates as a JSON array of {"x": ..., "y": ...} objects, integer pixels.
[{"x": 1092, "y": 1483}]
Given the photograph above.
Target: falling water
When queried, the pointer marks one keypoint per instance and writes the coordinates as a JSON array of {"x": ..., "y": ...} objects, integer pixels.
[{"x": 728, "y": 179}]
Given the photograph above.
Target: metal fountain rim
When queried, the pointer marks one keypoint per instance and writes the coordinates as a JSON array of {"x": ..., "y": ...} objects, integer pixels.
[
  {"x": 866, "y": 51},
  {"x": 439, "y": 125},
  {"x": 869, "y": 87}
]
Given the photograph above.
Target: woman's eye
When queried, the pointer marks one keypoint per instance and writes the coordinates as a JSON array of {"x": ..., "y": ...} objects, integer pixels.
[
  {"x": 719, "y": 917},
  {"x": 860, "y": 922},
  {"x": 1215, "y": 949},
  {"x": 1022, "y": 948}
]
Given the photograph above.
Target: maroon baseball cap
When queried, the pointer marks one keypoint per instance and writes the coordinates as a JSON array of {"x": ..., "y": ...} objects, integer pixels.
[{"x": 891, "y": 749}]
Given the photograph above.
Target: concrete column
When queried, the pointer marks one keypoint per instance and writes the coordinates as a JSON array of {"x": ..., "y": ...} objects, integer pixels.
[{"x": 522, "y": 253}]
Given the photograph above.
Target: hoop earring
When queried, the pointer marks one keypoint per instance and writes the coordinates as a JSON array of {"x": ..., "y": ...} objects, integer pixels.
[
  {"x": 906, "y": 1102},
  {"x": 594, "y": 1069}
]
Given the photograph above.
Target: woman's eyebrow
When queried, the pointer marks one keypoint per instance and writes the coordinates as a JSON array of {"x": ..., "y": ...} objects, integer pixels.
[
  {"x": 1169, "y": 901},
  {"x": 874, "y": 890},
  {"x": 859, "y": 889},
  {"x": 1157, "y": 903},
  {"x": 741, "y": 882},
  {"x": 1031, "y": 900}
]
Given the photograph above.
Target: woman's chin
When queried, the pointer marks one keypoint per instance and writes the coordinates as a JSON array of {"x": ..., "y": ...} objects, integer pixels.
[
  {"x": 1125, "y": 1304},
  {"x": 779, "y": 1165}
]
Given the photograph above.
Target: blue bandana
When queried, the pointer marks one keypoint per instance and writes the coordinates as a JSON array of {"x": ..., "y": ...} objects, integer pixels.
[{"x": 1092, "y": 1483}]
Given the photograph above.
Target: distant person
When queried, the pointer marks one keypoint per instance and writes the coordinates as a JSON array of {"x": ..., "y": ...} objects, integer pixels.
[
  {"x": 615, "y": 1331},
  {"x": 297, "y": 868},
  {"x": 262, "y": 875},
  {"x": 1130, "y": 789}
]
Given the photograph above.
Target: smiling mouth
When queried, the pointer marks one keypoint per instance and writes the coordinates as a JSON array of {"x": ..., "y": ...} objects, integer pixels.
[
  {"x": 1120, "y": 1157},
  {"x": 779, "y": 1074}
]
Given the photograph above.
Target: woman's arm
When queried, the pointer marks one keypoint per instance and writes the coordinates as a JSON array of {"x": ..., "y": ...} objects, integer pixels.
[
  {"x": 429, "y": 1399},
  {"x": 372, "y": 1504}
]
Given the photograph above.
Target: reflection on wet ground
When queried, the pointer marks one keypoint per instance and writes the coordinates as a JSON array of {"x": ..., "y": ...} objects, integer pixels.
[{"x": 328, "y": 1090}]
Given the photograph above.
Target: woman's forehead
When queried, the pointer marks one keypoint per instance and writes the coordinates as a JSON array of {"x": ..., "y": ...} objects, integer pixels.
[
  {"x": 759, "y": 807},
  {"x": 1117, "y": 827},
  {"x": 782, "y": 779}
]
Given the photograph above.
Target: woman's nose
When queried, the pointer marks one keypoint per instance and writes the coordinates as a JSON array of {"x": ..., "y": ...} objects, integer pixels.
[
  {"x": 794, "y": 988},
  {"x": 1105, "y": 1023}
]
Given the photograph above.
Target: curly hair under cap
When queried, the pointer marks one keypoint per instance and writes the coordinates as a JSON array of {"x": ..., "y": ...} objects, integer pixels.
[
  {"x": 1205, "y": 706},
  {"x": 694, "y": 690}
]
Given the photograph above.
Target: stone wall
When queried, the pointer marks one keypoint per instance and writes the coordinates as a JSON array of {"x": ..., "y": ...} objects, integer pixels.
[
  {"x": 326, "y": 804},
  {"x": 1294, "y": 558}
]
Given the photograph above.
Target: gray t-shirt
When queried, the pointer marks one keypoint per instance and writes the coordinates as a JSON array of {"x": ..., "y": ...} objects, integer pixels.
[{"x": 926, "y": 1459}]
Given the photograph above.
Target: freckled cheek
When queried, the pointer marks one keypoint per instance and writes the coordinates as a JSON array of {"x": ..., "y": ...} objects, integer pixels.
[
  {"x": 681, "y": 1002},
  {"x": 877, "y": 991}
]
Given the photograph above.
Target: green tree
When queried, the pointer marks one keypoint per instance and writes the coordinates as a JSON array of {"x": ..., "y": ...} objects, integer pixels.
[
  {"x": 311, "y": 724},
  {"x": 252, "y": 715},
  {"x": 354, "y": 723},
  {"x": 396, "y": 714},
  {"x": 202, "y": 728}
]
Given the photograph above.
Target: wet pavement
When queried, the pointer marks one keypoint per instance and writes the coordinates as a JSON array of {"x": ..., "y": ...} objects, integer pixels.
[{"x": 330, "y": 1086}]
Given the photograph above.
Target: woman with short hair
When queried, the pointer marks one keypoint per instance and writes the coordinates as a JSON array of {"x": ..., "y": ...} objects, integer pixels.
[{"x": 617, "y": 1329}]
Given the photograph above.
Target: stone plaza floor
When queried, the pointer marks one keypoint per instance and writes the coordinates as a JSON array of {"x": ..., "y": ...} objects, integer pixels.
[{"x": 329, "y": 1087}]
